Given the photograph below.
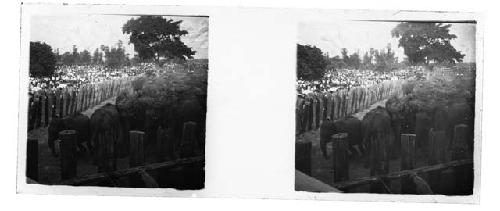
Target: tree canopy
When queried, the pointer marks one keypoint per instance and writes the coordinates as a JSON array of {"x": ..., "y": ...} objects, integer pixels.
[
  {"x": 425, "y": 42},
  {"x": 311, "y": 63},
  {"x": 155, "y": 37},
  {"x": 42, "y": 60}
]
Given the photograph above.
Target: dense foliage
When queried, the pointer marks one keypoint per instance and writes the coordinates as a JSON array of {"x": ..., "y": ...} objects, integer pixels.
[
  {"x": 165, "y": 91},
  {"x": 380, "y": 60},
  {"x": 426, "y": 42},
  {"x": 311, "y": 63},
  {"x": 112, "y": 57},
  {"x": 42, "y": 60},
  {"x": 443, "y": 88},
  {"x": 155, "y": 37}
]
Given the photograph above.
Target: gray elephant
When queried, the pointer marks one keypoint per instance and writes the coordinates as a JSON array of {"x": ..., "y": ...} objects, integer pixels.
[{"x": 79, "y": 123}]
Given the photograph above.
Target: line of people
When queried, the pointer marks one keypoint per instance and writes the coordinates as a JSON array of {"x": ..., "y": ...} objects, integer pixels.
[
  {"x": 76, "y": 76},
  {"x": 347, "y": 79}
]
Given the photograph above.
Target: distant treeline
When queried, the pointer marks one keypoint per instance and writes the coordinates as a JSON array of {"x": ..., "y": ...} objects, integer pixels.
[
  {"x": 312, "y": 63},
  {"x": 114, "y": 56},
  {"x": 423, "y": 44}
]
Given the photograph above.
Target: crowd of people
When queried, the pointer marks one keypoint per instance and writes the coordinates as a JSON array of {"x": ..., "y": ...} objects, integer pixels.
[
  {"x": 348, "y": 79},
  {"x": 76, "y": 76}
]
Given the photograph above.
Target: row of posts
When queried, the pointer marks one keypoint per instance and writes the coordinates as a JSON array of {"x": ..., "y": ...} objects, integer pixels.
[
  {"x": 107, "y": 153},
  {"x": 438, "y": 150}
]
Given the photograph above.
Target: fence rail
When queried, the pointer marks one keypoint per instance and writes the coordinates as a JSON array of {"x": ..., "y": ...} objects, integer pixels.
[
  {"x": 106, "y": 176},
  {"x": 313, "y": 109},
  {"x": 346, "y": 185},
  {"x": 46, "y": 105}
]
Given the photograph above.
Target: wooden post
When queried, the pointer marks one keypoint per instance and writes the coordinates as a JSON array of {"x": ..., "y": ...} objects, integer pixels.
[
  {"x": 39, "y": 111},
  {"x": 136, "y": 157},
  {"x": 32, "y": 159},
  {"x": 67, "y": 109},
  {"x": 408, "y": 152},
  {"x": 106, "y": 146},
  {"x": 303, "y": 150},
  {"x": 324, "y": 108},
  {"x": 136, "y": 148},
  {"x": 321, "y": 111},
  {"x": 30, "y": 113},
  {"x": 329, "y": 106},
  {"x": 61, "y": 105},
  {"x": 313, "y": 112},
  {"x": 83, "y": 93},
  {"x": 437, "y": 147},
  {"x": 462, "y": 149},
  {"x": 460, "y": 146},
  {"x": 43, "y": 112},
  {"x": 188, "y": 141},
  {"x": 299, "y": 112},
  {"x": 308, "y": 114},
  {"x": 36, "y": 111},
  {"x": 50, "y": 106},
  {"x": 73, "y": 102},
  {"x": 77, "y": 100},
  {"x": 340, "y": 157},
  {"x": 336, "y": 106},
  {"x": 345, "y": 100},
  {"x": 64, "y": 99},
  {"x": 160, "y": 144},
  {"x": 408, "y": 160},
  {"x": 68, "y": 154},
  {"x": 348, "y": 107}
]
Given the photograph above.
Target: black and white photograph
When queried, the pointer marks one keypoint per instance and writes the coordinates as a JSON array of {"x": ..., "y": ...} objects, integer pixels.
[
  {"x": 117, "y": 100},
  {"x": 386, "y": 107}
]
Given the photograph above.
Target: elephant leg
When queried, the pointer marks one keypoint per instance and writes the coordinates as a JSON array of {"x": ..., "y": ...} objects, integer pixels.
[
  {"x": 358, "y": 151},
  {"x": 93, "y": 145},
  {"x": 81, "y": 147},
  {"x": 90, "y": 147}
]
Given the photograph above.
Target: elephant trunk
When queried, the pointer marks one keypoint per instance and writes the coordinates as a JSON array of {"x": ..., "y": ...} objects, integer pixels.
[
  {"x": 323, "y": 142},
  {"x": 51, "y": 141}
]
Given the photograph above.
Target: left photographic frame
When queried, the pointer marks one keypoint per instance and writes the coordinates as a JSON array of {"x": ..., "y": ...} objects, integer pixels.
[{"x": 114, "y": 100}]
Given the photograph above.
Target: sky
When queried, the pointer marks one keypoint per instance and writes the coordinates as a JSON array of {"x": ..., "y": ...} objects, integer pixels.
[
  {"x": 91, "y": 31},
  {"x": 360, "y": 36}
]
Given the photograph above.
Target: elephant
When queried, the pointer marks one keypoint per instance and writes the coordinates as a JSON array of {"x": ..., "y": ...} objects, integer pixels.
[
  {"x": 79, "y": 123},
  {"x": 188, "y": 110},
  {"x": 140, "y": 111},
  {"x": 107, "y": 119},
  {"x": 350, "y": 125},
  {"x": 326, "y": 130},
  {"x": 378, "y": 137},
  {"x": 460, "y": 113},
  {"x": 423, "y": 124},
  {"x": 402, "y": 113},
  {"x": 408, "y": 87}
]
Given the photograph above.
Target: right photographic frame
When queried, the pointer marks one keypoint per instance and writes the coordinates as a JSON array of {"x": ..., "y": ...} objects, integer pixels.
[{"x": 386, "y": 106}]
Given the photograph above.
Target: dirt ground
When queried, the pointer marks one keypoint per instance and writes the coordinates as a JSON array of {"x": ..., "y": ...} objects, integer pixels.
[{"x": 322, "y": 169}]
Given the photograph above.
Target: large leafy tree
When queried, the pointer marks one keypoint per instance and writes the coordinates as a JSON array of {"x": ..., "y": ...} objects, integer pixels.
[
  {"x": 155, "y": 37},
  {"x": 311, "y": 63},
  {"x": 42, "y": 60},
  {"x": 425, "y": 42}
]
